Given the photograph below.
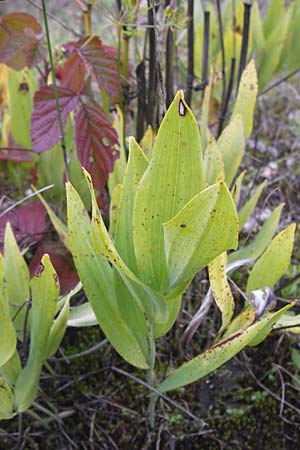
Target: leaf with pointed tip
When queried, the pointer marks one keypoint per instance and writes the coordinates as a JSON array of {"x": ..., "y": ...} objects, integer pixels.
[
  {"x": 246, "y": 98},
  {"x": 261, "y": 240},
  {"x": 20, "y": 40},
  {"x": 246, "y": 211},
  {"x": 96, "y": 276},
  {"x": 95, "y": 143},
  {"x": 101, "y": 61},
  {"x": 16, "y": 281},
  {"x": 219, "y": 354},
  {"x": 174, "y": 175},
  {"x": 204, "y": 228},
  {"x": 45, "y": 130},
  {"x": 44, "y": 290},
  {"x": 71, "y": 73},
  {"x": 274, "y": 262},
  {"x": 153, "y": 303}
]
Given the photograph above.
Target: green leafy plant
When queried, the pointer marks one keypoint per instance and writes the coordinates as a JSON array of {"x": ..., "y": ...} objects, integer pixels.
[{"x": 174, "y": 216}]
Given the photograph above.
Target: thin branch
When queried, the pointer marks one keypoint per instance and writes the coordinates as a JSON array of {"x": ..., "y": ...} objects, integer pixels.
[
  {"x": 26, "y": 198},
  {"x": 152, "y": 74},
  {"x": 160, "y": 394},
  {"x": 55, "y": 91},
  {"x": 223, "y": 66},
  {"x": 56, "y": 19},
  {"x": 88, "y": 351},
  {"x": 205, "y": 50},
  {"x": 282, "y": 80},
  {"x": 169, "y": 61}
]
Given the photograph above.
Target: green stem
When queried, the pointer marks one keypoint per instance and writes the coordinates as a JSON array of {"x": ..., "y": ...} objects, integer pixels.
[
  {"x": 151, "y": 377},
  {"x": 62, "y": 136}
]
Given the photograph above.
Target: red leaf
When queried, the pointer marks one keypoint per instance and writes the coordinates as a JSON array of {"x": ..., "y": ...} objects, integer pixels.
[
  {"x": 101, "y": 61},
  {"x": 14, "y": 152},
  {"x": 45, "y": 131},
  {"x": 28, "y": 223},
  {"x": 62, "y": 262},
  {"x": 20, "y": 40},
  {"x": 71, "y": 74},
  {"x": 95, "y": 140}
]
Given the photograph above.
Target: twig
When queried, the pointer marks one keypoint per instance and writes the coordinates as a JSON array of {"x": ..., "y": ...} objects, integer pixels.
[
  {"x": 88, "y": 351},
  {"x": 152, "y": 73},
  {"x": 160, "y": 394},
  {"x": 190, "y": 37},
  {"x": 169, "y": 82},
  {"x": 56, "y": 19},
  {"x": 277, "y": 83},
  {"x": 26, "y": 198},
  {"x": 55, "y": 90}
]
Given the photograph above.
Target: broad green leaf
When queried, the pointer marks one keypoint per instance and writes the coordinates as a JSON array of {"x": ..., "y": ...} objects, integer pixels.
[
  {"x": 274, "y": 262},
  {"x": 117, "y": 175},
  {"x": 232, "y": 144},
  {"x": 275, "y": 13},
  {"x": 202, "y": 230},
  {"x": 246, "y": 211},
  {"x": 235, "y": 192},
  {"x": 21, "y": 88},
  {"x": 137, "y": 164},
  {"x": 219, "y": 354},
  {"x": 174, "y": 175},
  {"x": 262, "y": 239},
  {"x": 6, "y": 400},
  {"x": 8, "y": 338},
  {"x": 246, "y": 98},
  {"x": 213, "y": 163},
  {"x": 16, "y": 281},
  {"x": 146, "y": 298},
  {"x": 221, "y": 289},
  {"x": 51, "y": 169},
  {"x": 114, "y": 208},
  {"x": 58, "y": 329},
  {"x": 44, "y": 291},
  {"x": 96, "y": 276}
]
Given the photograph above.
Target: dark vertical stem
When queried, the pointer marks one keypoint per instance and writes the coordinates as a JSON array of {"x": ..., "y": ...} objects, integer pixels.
[
  {"x": 169, "y": 82},
  {"x": 152, "y": 74},
  {"x": 205, "y": 50},
  {"x": 190, "y": 73},
  {"x": 228, "y": 95},
  {"x": 220, "y": 23},
  {"x": 141, "y": 100},
  {"x": 245, "y": 41}
]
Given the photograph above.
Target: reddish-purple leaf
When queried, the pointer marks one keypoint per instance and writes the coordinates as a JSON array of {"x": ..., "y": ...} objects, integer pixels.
[
  {"x": 45, "y": 131},
  {"x": 20, "y": 40},
  {"x": 95, "y": 141},
  {"x": 101, "y": 61},
  {"x": 28, "y": 223},
  {"x": 62, "y": 262},
  {"x": 71, "y": 73}
]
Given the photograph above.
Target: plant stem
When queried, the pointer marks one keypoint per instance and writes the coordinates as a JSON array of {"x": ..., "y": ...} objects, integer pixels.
[
  {"x": 55, "y": 91},
  {"x": 151, "y": 377},
  {"x": 190, "y": 74}
]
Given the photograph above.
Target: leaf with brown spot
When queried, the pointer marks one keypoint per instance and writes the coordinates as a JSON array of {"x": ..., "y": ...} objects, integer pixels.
[{"x": 20, "y": 40}]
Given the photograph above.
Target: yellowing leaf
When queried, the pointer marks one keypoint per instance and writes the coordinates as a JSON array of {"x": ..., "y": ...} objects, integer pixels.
[{"x": 246, "y": 98}]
